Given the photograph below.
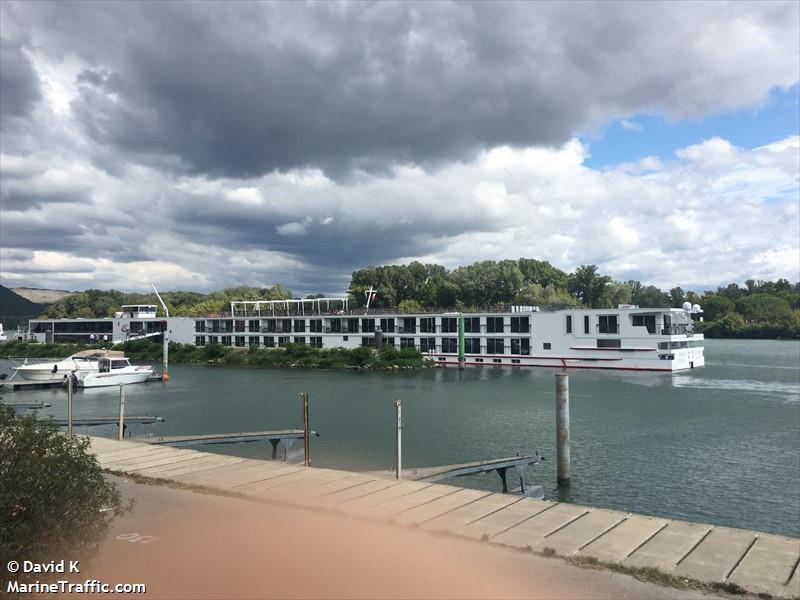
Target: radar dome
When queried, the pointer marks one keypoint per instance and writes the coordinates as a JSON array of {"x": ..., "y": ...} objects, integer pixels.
[
  {"x": 696, "y": 307},
  {"x": 687, "y": 306}
]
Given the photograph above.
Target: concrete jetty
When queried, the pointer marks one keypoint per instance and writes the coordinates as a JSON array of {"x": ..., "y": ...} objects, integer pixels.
[{"x": 760, "y": 563}]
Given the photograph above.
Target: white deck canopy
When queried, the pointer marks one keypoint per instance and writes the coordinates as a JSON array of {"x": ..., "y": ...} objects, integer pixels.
[{"x": 300, "y": 306}]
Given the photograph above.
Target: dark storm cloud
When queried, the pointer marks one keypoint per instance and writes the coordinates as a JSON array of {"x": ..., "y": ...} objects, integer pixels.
[
  {"x": 242, "y": 89},
  {"x": 19, "y": 86}
]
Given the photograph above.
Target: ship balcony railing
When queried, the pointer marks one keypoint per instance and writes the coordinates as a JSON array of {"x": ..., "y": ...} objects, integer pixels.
[{"x": 677, "y": 330}]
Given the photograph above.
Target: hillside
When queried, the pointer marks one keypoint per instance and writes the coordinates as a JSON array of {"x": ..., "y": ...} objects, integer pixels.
[
  {"x": 14, "y": 308},
  {"x": 41, "y": 296}
]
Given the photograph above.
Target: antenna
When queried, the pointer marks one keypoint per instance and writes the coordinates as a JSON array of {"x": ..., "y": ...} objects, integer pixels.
[{"x": 164, "y": 306}]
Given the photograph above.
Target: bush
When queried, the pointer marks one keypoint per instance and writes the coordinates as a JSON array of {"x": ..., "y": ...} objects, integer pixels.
[{"x": 52, "y": 492}]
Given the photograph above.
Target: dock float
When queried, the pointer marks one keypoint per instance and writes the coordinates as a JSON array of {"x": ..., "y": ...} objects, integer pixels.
[
  {"x": 26, "y": 405},
  {"x": 274, "y": 437},
  {"x": 760, "y": 563},
  {"x": 18, "y": 385},
  {"x": 15, "y": 385},
  {"x": 444, "y": 472},
  {"x": 96, "y": 421}
]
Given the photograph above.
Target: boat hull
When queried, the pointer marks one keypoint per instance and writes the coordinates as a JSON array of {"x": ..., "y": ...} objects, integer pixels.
[
  {"x": 42, "y": 372},
  {"x": 92, "y": 380}
]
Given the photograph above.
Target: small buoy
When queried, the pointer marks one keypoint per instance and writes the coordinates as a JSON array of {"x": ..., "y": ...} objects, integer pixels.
[{"x": 165, "y": 376}]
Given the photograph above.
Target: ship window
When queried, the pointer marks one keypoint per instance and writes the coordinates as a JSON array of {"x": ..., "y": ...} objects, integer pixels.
[
  {"x": 427, "y": 344},
  {"x": 240, "y": 341},
  {"x": 409, "y": 324},
  {"x": 226, "y": 340},
  {"x": 300, "y": 340},
  {"x": 118, "y": 364},
  {"x": 387, "y": 325},
  {"x": 497, "y": 360},
  {"x": 586, "y": 324},
  {"x": 472, "y": 325},
  {"x": 450, "y": 345},
  {"x": 495, "y": 346},
  {"x": 472, "y": 345},
  {"x": 569, "y": 323},
  {"x": 648, "y": 321},
  {"x": 299, "y": 325},
  {"x": 367, "y": 325},
  {"x": 515, "y": 361},
  {"x": 449, "y": 325},
  {"x": 283, "y": 341},
  {"x": 316, "y": 342},
  {"x": 427, "y": 325},
  {"x": 478, "y": 360},
  {"x": 254, "y": 341},
  {"x": 608, "y": 324},
  {"x": 200, "y": 340},
  {"x": 345, "y": 338},
  {"x": 520, "y": 325},
  {"x": 269, "y": 342},
  {"x": 406, "y": 342},
  {"x": 315, "y": 325},
  {"x": 368, "y": 342},
  {"x": 494, "y": 324},
  {"x": 546, "y": 346}
]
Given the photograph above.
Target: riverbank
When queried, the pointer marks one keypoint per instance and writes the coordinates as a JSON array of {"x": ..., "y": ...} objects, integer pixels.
[{"x": 292, "y": 356}]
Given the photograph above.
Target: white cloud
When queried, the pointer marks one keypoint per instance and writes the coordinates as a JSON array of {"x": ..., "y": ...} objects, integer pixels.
[
  {"x": 245, "y": 195},
  {"x": 714, "y": 214},
  {"x": 631, "y": 125}
]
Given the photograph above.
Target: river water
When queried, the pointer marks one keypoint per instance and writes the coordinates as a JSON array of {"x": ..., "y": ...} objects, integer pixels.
[{"x": 719, "y": 444}]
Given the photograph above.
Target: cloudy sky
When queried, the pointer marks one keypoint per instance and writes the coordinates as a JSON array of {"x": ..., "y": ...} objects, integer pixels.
[{"x": 198, "y": 146}]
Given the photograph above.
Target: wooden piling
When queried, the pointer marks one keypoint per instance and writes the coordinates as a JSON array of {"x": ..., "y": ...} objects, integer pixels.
[
  {"x": 121, "y": 433},
  {"x": 398, "y": 409},
  {"x": 69, "y": 405},
  {"x": 563, "y": 467},
  {"x": 306, "y": 431},
  {"x": 165, "y": 352}
]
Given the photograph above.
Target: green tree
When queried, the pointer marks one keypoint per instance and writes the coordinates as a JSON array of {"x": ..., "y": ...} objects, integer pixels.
[
  {"x": 715, "y": 307},
  {"x": 764, "y": 308},
  {"x": 677, "y": 297},
  {"x": 650, "y": 296},
  {"x": 589, "y": 288}
]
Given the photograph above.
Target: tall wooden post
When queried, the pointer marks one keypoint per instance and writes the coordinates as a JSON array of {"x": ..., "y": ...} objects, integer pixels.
[
  {"x": 306, "y": 431},
  {"x": 69, "y": 404},
  {"x": 398, "y": 409},
  {"x": 563, "y": 467},
  {"x": 165, "y": 351},
  {"x": 121, "y": 433},
  {"x": 462, "y": 361}
]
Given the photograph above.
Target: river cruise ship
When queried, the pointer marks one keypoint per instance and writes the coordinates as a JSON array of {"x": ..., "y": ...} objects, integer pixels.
[{"x": 628, "y": 337}]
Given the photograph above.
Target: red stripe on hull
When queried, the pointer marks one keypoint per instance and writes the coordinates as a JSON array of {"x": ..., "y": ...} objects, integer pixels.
[{"x": 448, "y": 363}]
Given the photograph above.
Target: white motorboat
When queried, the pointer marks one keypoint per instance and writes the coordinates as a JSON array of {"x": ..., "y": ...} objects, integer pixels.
[
  {"x": 85, "y": 361},
  {"x": 113, "y": 371}
]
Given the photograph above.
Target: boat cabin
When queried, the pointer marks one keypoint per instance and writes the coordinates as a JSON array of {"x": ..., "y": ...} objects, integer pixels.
[
  {"x": 137, "y": 311},
  {"x": 106, "y": 365}
]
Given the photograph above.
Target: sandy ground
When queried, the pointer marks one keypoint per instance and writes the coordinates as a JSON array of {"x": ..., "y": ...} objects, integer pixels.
[{"x": 183, "y": 544}]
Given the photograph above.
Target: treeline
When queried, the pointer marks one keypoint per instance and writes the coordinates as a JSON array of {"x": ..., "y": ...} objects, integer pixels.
[
  {"x": 758, "y": 309},
  {"x": 104, "y": 303}
]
